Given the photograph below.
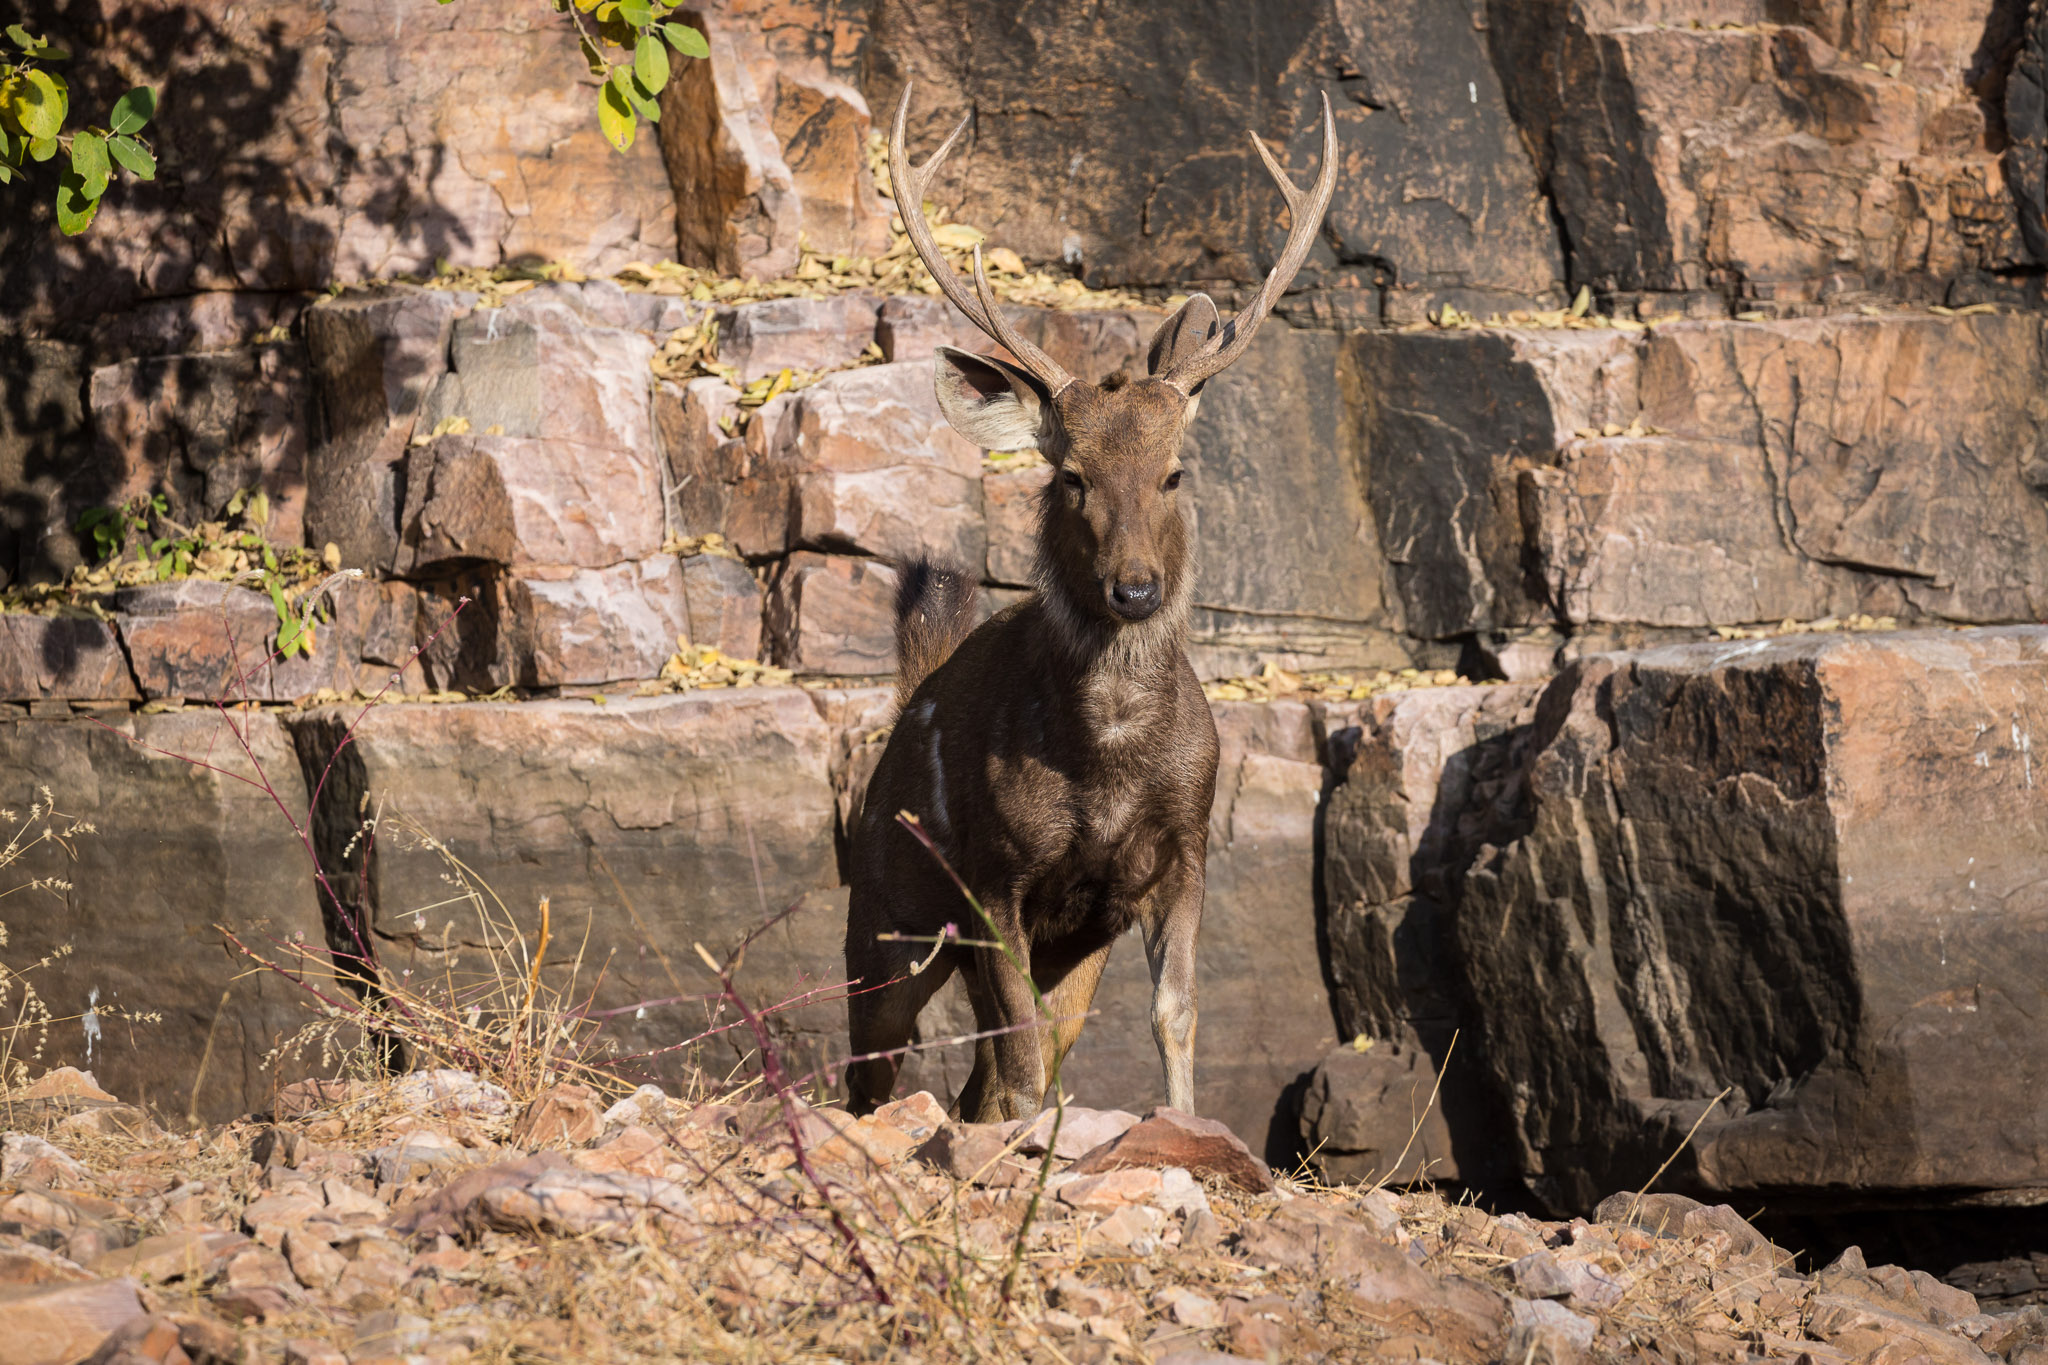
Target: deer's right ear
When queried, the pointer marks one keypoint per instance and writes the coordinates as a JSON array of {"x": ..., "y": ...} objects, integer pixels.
[
  {"x": 1181, "y": 335},
  {"x": 991, "y": 402}
]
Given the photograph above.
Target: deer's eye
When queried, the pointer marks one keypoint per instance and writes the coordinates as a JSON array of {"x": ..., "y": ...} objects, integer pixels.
[
  {"x": 1173, "y": 480},
  {"x": 1072, "y": 481}
]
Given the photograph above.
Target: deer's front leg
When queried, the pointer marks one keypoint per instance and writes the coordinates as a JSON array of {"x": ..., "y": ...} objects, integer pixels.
[
  {"x": 1003, "y": 1001},
  {"x": 1170, "y": 948}
]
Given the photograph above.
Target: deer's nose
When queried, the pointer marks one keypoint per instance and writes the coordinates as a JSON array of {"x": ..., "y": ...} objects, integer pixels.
[{"x": 1134, "y": 601}]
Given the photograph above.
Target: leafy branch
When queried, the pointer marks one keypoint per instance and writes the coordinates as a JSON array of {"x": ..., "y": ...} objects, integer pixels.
[
  {"x": 33, "y": 106},
  {"x": 632, "y": 86}
]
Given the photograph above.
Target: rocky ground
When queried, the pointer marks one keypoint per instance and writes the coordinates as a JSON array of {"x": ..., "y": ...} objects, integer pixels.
[{"x": 434, "y": 1218}]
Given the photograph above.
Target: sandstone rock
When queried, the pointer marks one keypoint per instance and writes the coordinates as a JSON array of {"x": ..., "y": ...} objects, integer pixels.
[
  {"x": 723, "y": 605},
  {"x": 50, "y": 658},
  {"x": 1010, "y": 502},
  {"x": 1419, "y": 768},
  {"x": 306, "y": 1351},
  {"x": 178, "y": 848},
  {"x": 1545, "y": 1329},
  {"x": 916, "y": 1116},
  {"x": 1935, "y": 414},
  {"x": 798, "y": 334},
  {"x": 170, "y": 1256},
  {"x": 977, "y": 1152},
  {"x": 909, "y": 326},
  {"x": 1884, "y": 777},
  {"x": 1110, "y": 1190},
  {"x": 573, "y": 1203},
  {"x": 1756, "y": 156},
  {"x": 1375, "y": 1115},
  {"x": 198, "y": 640},
  {"x": 564, "y": 1113},
  {"x": 873, "y": 468},
  {"x": 1271, "y": 465},
  {"x": 61, "y": 1325},
  {"x": 1440, "y": 449},
  {"x": 1168, "y": 1137},
  {"x": 1081, "y": 1130},
  {"x": 316, "y": 1264},
  {"x": 199, "y": 428},
  {"x": 542, "y": 372},
  {"x": 602, "y": 625},
  {"x": 448, "y": 1093},
  {"x": 515, "y": 501},
  {"x": 832, "y": 614},
  {"x": 650, "y": 795},
  {"x": 1166, "y": 190},
  {"x": 374, "y": 355}
]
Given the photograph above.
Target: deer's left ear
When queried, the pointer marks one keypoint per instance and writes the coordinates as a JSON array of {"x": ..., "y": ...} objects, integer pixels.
[
  {"x": 1181, "y": 335},
  {"x": 991, "y": 402}
]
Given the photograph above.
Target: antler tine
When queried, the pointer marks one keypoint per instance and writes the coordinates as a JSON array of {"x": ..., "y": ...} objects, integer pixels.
[
  {"x": 980, "y": 308},
  {"x": 1230, "y": 341}
]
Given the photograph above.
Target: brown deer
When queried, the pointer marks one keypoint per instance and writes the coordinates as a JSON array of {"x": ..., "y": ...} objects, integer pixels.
[{"x": 1061, "y": 755}]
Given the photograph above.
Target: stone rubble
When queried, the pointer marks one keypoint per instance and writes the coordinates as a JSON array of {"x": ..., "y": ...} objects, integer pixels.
[{"x": 321, "y": 1253}]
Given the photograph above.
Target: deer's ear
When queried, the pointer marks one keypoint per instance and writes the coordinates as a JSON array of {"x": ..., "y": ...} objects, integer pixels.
[
  {"x": 1181, "y": 335},
  {"x": 991, "y": 402}
]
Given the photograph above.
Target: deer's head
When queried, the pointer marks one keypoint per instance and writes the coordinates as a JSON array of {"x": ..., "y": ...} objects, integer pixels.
[{"x": 1113, "y": 537}]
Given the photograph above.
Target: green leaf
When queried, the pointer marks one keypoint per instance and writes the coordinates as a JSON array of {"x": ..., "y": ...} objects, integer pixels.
[
  {"x": 133, "y": 109},
  {"x": 615, "y": 116},
  {"x": 6, "y": 175},
  {"x": 42, "y": 148},
  {"x": 89, "y": 162},
  {"x": 23, "y": 39},
  {"x": 75, "y": 208},
  {"x": 642, "y": 99},
  {"x": 36, "y": 101},
  {"x": 133, "y": 156},
  {"x": 686, "y": 40},
  {"x": 599, "y": 67},
  {"x": 638, "y": 13},
  {"x": 50, "y": 52},
  {"x": 650, "y": 63}
]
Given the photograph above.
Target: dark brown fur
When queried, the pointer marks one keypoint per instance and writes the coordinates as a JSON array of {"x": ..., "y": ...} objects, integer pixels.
[{"x": 1062, "y": 756}]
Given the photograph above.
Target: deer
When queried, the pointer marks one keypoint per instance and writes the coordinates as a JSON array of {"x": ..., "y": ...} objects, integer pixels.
[{"x": 1060, "y": 756}]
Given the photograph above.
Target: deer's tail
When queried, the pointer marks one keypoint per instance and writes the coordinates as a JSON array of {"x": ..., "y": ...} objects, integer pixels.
[{"x": 936, "y": 605}]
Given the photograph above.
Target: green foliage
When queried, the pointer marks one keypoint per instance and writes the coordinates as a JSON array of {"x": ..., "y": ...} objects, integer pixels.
[
  {"x": 34, "y": 104},
  {"x": 137, "y": 542},
  {"x": 629, "y": 89}
]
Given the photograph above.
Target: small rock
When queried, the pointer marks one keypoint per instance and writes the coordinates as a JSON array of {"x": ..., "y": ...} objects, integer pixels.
[
  {"x": 390, "y": 1332},
  {"x": 1188, "y": 1308},
  {"x": 142, "y": 1341},
  {"x": 1081, "y": 1130},
  {"x": 1136, "y": 1228},
  {"x": 316, "y": 1264},
  {"x": 27, "y": 1159},
  {"x": 29, "y": 1264},
  {"x": 1180, "y": 1193},
  {"x": 1085, "y": 1300},
  {"x": 637, "y": 1150},
  {"x": 66, "y": 1323},
  {"x": 1168, "y": 1137},
  {"x": 421, "y": 1149},
  {"x": 564, "y": 1115},
  {"x": 647, "y": 1105},
  {"x": 977, "y": 1153},
  {"x": 253, "y": 1304},
  {"x": 270, "y": 1217},
  {"x": 1542, "y": 1323},
  {"x": 1110, "y": 1190},
  {"x": 917, "y": 1116},
  {"x": 452, "y": 1094},
  {"x": 1202, "y": 1230},
  {"x": 171, "y": 1256},
  {"x": 307, "y": 1351},
  {"x": 301, "y": 1098},
  {"x": 1201, "y": 1357},
  {"x": 66, "y": 1082}
]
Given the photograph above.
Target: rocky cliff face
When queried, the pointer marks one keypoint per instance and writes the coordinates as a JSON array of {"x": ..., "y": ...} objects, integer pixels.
[{"x": 1645, "y": 328}]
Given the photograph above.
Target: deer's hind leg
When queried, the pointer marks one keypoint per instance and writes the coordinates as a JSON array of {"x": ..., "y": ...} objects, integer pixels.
[{"x": 1066, "y": 1002}]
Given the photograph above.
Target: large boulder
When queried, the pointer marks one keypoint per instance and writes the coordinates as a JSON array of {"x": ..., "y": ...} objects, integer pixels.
[
  {"x": 1289, "y": 560},
  {"x": 192, "y": 839},
  {"x": 1435, "y": 188},
  {"x": 649, "y": 825},
  {"x": 1764, "y": 158},
  {"x": 1803, "y": 872}
]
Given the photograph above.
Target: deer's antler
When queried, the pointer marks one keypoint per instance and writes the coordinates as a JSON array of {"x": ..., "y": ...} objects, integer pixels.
[
  {"x": 980, "y": 307},
  {"x": 1230, "y": 340}
]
